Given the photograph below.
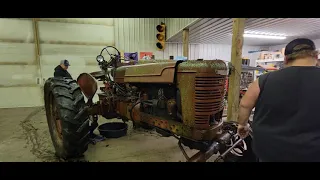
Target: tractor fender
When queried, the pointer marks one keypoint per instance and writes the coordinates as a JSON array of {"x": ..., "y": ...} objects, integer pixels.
[{"x": 87, "y": 84}]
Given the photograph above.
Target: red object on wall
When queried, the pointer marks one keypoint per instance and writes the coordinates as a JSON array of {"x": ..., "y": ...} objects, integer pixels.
[{"x": 227, "y": 84}]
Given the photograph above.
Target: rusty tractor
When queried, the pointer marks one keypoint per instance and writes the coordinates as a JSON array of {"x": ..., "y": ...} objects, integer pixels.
[{"x": 183, "y": 99}]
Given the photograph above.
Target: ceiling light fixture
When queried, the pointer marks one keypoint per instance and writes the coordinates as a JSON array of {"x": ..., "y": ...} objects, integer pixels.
[{"x": 263, "y": 36}]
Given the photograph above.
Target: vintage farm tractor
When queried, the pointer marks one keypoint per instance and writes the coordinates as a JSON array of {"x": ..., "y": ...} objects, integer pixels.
[{"x": 183, "y": 99}]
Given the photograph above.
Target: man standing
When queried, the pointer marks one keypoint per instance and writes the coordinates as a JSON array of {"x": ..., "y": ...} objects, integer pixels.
[
  {"x": 61, "y": 70},
  {"x": 286, "y": 123}
]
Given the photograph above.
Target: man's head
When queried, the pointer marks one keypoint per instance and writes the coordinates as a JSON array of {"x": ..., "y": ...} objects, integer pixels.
[
  {"x": 64, "y": 64},
  {"x": 301, "y": 52}
]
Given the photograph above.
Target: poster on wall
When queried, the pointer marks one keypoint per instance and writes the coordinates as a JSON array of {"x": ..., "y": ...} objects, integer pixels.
[
  {"x": 131, "y": 56},
  {"x": 146, "y": 55}
]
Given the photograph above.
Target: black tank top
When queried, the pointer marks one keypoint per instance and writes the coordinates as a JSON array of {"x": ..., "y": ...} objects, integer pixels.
[{"x": 286, "y": 123}]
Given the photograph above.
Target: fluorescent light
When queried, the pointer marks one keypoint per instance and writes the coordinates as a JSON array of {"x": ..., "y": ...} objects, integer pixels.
[
  {"x": 263, "y": 36},
  {"x": 264, "y": 33}
]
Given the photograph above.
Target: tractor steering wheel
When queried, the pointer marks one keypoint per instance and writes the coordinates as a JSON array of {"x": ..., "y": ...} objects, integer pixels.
[{"x": 114, "y": 58}]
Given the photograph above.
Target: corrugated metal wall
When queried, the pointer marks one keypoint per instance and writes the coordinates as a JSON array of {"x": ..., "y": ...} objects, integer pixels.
[
  {"x": 79, "y": 43},
  {"x": 174, "y": 25},
  {"x": 221, "y": 51},
  {"x": 139, "y": 35},
  {"x": 279, "y": 47},
  {"x": 79, "y": 40}
]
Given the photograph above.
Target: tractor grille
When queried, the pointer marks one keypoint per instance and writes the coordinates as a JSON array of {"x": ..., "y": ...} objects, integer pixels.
[{"x": 209, "y": 92}]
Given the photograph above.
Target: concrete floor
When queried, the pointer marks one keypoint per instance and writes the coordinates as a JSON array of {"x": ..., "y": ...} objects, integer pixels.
[{"x": 24, "y": 137}]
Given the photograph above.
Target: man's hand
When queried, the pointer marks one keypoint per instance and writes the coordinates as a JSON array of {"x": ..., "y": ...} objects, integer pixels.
[{"x": 243, "y": 130}]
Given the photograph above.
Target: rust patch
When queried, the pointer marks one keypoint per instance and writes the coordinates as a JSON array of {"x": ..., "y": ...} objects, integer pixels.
[
  {"x": 201, "y": 90},
  {"x": 206, "y": 66},
  {"x": 142, "y": 61},
  {"x": 173, "y": 126}
]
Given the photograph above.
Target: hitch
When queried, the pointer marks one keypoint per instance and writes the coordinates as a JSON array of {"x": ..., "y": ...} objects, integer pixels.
[
  {"x": 221, "y": 156},
  {"x": 204, "y": 156}
]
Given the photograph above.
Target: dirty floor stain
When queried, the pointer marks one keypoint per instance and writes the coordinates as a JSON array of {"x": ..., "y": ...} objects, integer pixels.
[{"x": 24, "y": 137}]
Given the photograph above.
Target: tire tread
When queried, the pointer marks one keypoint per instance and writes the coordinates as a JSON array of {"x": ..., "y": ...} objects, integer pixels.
[{"x": 75, "y": 121}]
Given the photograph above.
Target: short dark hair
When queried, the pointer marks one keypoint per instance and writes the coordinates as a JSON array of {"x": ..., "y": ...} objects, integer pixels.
[{"x": 300, "y": 48}]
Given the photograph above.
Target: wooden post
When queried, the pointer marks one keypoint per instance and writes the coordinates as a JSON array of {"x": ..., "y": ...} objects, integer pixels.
[
  {"x": 234, "y": 79},
  {"x": 37, "y": 46},
  {"x": 36, "y": 39},
  {"x": 185, "y": 40}
]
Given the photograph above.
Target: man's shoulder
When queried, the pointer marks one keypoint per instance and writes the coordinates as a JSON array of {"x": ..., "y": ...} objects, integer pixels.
[
  {"x": 263, "y": 78},
  {"x": 265, "y": 75},
  {"x": 58, "y": 68},
  {"x": 273, "y": 73}
]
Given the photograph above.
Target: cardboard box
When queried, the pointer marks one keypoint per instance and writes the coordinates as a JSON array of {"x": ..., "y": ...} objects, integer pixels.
[
  {"x": 269, "y": 56},
  {"x": 262, "y": 55},
  {"x": 277, "y": 55}
]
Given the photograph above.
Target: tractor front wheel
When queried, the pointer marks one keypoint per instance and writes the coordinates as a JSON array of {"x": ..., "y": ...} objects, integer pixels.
[{"x": 67, "y": 117}]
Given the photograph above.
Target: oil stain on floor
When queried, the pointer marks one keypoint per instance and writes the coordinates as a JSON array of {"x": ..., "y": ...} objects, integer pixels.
[{"x": 24, "y": 137}]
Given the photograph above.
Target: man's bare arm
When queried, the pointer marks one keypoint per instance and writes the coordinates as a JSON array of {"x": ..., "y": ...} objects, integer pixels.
[{"x": 248, "y": 102}]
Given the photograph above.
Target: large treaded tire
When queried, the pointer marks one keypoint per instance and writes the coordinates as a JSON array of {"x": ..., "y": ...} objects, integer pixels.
[{"x": 64, "y": 95}]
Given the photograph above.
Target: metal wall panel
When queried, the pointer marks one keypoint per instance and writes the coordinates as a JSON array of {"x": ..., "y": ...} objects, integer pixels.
[
  {"x": 15, "y": 30},
  {"x": 79, "y": 43},
  {"x": 19, "y": 72},
  {"x": 174, "y": 25},
  {"x": 221, "y": 51},
  {"x": 97, "y": 21},
  {"x": 136, "y": 34},
  {"x": 139, "y": 35},
  {"x": 69, "y": 33},
  {"x": 17, "y": 53},
  {"x": 279, "y": 47},
  {"x": 175, "y": 49}
]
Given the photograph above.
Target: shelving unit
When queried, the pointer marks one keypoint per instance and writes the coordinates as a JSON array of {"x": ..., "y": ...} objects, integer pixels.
[
  {"x": 272, "y": 63},
  {"x": 269, "y": 60}
]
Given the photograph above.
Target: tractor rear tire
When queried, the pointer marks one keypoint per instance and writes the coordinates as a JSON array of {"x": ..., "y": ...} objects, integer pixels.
[{"x": 67, "y": 117}]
